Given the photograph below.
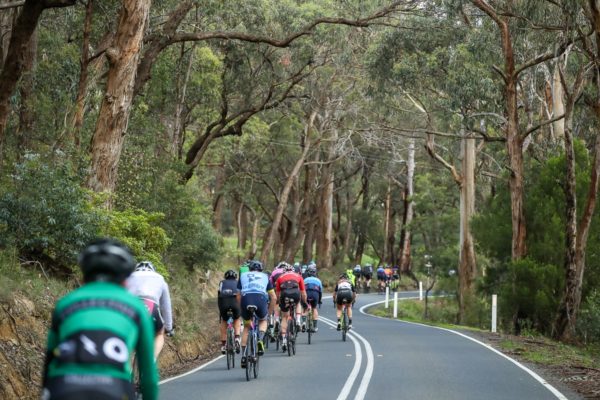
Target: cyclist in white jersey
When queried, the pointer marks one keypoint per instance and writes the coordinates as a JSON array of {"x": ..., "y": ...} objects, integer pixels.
[{"x": 152, "y": 288}]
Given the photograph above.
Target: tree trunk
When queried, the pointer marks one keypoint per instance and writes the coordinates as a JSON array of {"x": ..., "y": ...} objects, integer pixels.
[
  {"x": 325, "y": 220},
  {"x": 219, "y": 199},
  {"x": 558, "y": 106},
  {"x": 283, "y": 199},
  {"x": 467, "y": 267},
  {"x": 348, "y": 234},
  {"x": 242, "y": 226},
  {"x": 405, "y": 254},
  {"x": 179, "y": 123},
  {"x": 113, "y": 117},
  {"x": 26, "y": 117},
  {"x": 254, "y": 240},
  {"x": 84, "y": 61},
  {"x": 362, "y": 234}
]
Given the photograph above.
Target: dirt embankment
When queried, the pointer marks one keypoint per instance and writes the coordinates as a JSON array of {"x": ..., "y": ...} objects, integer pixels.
[{"x": 24, "y": 324}]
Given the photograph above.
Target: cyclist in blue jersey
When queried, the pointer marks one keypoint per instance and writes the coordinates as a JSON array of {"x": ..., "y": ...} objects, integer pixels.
[
  {"x": 255, "y": 289},
  {"x": 314, "y": 292}
]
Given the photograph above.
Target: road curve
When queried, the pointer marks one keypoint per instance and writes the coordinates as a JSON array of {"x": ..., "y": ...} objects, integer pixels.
[{"x": 381, "y": 359}]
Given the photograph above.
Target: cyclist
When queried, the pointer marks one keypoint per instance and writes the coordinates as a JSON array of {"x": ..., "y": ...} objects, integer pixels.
[
  {"x": 388, "y": 274},
  {"x": 381, "y": 277},
  {"x": 344, "y": 290},
  {"x": 244, "y": 267},
  {"x": 227, "y": 300},
  {"x": 255, "y": 289},
  {"x": 349, "y": 272},
  {"x": 277, "y": 272},
  {"x": 96, "y": 328},
  {"x": 314, "y": 292},
  {"x": 367, "y": 274},
  {"x": 151, "y": 287},
  {"x": 396, "y": 276},
  {"x": 290, "y": 285},
  {"x": 357, "y": 271}
]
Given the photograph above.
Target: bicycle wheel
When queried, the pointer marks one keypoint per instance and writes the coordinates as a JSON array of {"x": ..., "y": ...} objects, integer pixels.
[
  {"x": 290, "y": 336},
  {"x": 344, "y": 324},
  {"x": 309, "y": 325},
  {"x": 255, "y": 366},
  {"x": 249, "y": 361},
  {"x": 229, "y": 348}
]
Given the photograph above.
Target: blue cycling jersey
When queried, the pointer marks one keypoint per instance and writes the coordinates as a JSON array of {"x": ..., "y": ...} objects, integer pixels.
[
  {"x": 254, "y": 282},
  {"x": 313, "y": 283}
]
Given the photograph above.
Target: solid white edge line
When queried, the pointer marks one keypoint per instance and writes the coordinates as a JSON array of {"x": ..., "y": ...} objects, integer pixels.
[
  {"x": 357, "y": 362},
  {"x": 191, "y": 371},
  {"x": 538, "y": 378}
]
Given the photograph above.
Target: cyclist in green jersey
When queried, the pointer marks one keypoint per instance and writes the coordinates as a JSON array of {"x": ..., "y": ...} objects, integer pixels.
[
  {"x": 245, "y": 267},
  {"x": 350, "y": 273},
  {"x": 96, "y": 328}
]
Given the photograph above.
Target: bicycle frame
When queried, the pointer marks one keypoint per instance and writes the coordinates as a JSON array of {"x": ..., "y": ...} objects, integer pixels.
[{"x": 251, "y": 351}]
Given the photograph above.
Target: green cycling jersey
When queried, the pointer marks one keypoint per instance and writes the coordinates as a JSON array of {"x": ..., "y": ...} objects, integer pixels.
[
  {"x": 94, "y": 331},
  {"x": 351, "y": 276}
]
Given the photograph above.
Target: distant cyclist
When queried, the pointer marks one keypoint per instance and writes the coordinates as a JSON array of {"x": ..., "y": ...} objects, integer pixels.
[
  {"x": 277, "y": 272},
  {"x": 228, "y": 301},
  {"x": 314, "y": 293},
  {"x": 94, "y": 331},
  {"x": 367, "y": 274},
  {"x": 256, "y": 290},
  {"x": 344, "y": 290},
  {"x": 245, "y": 267},
  {"x": 290, "y": 285},
  {"x": 350, "y": 273},
  {"x": 151, "y": 287},
  {"x": 357, "y": 271},
  {"x": 381, "y": 277}
]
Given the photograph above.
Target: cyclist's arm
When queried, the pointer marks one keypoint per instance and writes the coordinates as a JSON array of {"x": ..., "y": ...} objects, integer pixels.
[
  {"x": 165, "y": 307},
  {"x": 145, "y": 355},
  {"x": 302, "y": 290},
  {"x": 273, "y": 300}
]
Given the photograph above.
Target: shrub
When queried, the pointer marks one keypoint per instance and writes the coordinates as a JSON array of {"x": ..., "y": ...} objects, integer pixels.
[
  {"x": 588, "y": 324},
  {"x": 141, "y": 232},
  {"x": 44, "y": 213}
]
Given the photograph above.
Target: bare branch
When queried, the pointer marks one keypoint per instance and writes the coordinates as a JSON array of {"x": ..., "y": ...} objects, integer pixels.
[
  {"x": 12, "y": 5},
  {"x": 541, "y": 125}
]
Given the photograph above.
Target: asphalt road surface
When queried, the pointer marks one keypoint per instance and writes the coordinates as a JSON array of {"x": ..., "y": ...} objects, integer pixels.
[{"x": 382, "y": 359}]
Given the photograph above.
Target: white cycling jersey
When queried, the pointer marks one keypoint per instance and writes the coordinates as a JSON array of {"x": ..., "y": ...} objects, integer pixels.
[{"x": 152, "y": 286}]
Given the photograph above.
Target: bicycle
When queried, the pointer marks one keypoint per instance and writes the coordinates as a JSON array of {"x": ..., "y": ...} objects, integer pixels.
[
  {"x": 344, "y": 319},
  {"x": 309, "y": 322},
  {"x": 251, "y": 351},
  {"x": 230, "y": 343},
  {"x": 292, "y": 328}
]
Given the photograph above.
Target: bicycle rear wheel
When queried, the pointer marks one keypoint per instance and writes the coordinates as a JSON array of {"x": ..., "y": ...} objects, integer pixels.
[
  {"x": 249, "y": 355},
  {"x": 290, "y": 336},
  {"x": 229, "y": 349},
  {"x": 255, "y": 366},
  {"x": 344, "y": 324},
  {"x": 309, "y": 325}
]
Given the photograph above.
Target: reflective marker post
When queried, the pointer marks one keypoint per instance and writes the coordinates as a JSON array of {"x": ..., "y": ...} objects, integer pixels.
[
  {"x": 395, "y": 304},
  {"x": 387, "y": 297},
  {"x": 494, "y": 311},
  {"x": 420, "y": 290}
]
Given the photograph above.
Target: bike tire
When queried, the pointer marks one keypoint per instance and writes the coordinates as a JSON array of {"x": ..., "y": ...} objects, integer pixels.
[
  {"x": 344, "y": 325},
  {"x": 229, "y": 349},
  {"x": 249, "y": 355},
  {"x": 290, "y": 336},
  {"x": 255, "y": 367}
]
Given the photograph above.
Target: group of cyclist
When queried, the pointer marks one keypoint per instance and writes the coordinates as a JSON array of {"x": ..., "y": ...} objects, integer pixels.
[
  {"x": 121, "y": 309},
  {"x": 287, "y": 289},
  {"x": 361, "y": 276}
]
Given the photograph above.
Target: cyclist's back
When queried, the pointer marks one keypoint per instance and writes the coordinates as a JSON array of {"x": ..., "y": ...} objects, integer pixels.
[
  {"x": 94, "y": 331},
  {"x": 152, "y": 286}
]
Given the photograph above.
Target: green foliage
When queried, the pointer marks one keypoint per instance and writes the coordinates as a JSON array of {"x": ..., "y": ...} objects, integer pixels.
[
  {"x": 44, "y": 213},
  {"x": 588, "y": 323},
  {"x": 141, "y": 232},
  {"x": 528, "y": 292}
]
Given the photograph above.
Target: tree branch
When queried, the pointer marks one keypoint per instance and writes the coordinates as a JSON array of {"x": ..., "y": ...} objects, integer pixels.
[{"x": 541, "y": 125}]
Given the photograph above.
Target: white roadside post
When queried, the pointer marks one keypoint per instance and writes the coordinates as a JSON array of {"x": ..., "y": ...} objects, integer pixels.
[
  {"x": 395, "y": 304},
  {"x": 420, "y": 291},
  {"x": 494, "y": 311},
  {"x": 387, "y": 297}
]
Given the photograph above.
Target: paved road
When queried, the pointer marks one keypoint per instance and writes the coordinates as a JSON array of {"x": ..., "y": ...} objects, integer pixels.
[{"x": 383, "y": 359}]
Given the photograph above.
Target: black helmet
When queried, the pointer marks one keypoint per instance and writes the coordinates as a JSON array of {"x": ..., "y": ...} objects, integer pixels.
[
  {"x": 230, "y": 274},
  {"x": 255, "y": 266},
  {"x": 106, "y": 259}
]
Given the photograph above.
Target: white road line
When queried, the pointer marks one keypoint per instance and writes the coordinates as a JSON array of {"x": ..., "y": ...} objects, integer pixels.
[
  {"x": 366, "y": 379},
  {"x": 357, "y": 362},
  {"x": 535, "y": 376},
  {"x": 191, "y": 371}
]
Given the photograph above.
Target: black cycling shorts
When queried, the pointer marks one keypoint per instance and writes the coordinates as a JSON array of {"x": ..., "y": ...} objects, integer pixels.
[
  {"x": 226, "y": 304},
  {"x": 89, "y": 387},
  {"x": 289, "y": 294},
  {"x": 312, "y": 297},
  {"x": 381, "y": 277},
  {"x": 367, "y": 275},
  {"x": 343, "y": 294},
  {"x": 357, "y": 274},
  {"x": 255, "y": 299},
  {"x": 157, "y": 319}
]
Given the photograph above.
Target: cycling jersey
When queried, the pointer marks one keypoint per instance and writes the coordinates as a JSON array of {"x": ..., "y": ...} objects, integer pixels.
[
  {"x": 380, "y": 273},
  {"x": 254, "y": 287},
  {"x": 227, "y": 300},
  {"x": 277, "y": 272},
  {"x": 94, "y": 331},
  {"x": 152, "y": 286},
  {"x": 313, "y": 283},
  {"x": 288, "y": 279},
  {"x": 344, "y": 290}
]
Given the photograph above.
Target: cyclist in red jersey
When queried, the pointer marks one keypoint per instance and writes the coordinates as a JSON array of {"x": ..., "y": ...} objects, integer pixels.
[{"x": 290, "y": 285}]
